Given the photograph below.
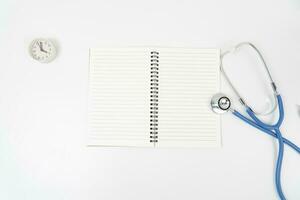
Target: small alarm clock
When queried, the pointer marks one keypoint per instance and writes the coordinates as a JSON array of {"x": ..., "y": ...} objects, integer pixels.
[{"x": 43, "y": 50}]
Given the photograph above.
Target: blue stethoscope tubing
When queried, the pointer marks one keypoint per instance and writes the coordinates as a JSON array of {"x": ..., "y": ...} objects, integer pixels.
[
  {"x": 266, "y": 130},
  {"x": 274, "y": 131}
]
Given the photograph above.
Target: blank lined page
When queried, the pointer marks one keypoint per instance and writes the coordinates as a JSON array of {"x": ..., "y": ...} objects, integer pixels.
[
  {"x": 188, "y": 78},
  {"x": 119, "y": 82}
]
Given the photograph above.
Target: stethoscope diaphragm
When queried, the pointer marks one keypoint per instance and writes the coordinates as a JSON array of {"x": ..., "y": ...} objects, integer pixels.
[{"x": 220, "y": 103}]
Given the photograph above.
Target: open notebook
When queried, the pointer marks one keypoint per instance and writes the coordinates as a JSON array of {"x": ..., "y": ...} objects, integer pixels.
[{"x": 153, "y": 97}]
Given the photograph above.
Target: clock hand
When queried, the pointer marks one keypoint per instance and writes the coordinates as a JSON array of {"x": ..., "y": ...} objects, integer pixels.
[
  {"x": 40, "y": 45},
  {"x": 41, "y": 48}
]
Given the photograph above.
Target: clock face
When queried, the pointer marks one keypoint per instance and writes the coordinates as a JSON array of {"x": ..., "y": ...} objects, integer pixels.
[{"x": 42, "y": 50}]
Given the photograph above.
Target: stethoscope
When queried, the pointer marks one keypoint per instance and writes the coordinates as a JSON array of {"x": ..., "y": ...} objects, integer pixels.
[{"x": 220, "y": 103}]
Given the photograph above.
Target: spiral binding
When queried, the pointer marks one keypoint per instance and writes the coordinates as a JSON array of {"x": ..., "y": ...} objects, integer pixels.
[{"x": 154, "y": 81}]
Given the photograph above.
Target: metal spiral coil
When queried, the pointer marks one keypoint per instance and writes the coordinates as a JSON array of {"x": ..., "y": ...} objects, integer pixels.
[{"x": 154, "y": 83}]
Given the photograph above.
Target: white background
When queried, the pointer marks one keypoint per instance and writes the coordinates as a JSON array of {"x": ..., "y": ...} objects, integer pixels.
[{"x": 43, "y": 106}]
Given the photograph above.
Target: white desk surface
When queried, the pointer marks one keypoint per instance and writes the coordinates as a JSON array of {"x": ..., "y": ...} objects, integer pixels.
[{"x": 43, "y": 107}]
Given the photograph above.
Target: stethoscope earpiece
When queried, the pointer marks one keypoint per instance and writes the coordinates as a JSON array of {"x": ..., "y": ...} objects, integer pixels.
[{"x": 220, "y": 103}]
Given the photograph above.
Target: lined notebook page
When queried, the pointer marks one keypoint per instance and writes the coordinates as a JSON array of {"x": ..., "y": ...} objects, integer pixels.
[
  {"x": 119, "y": 97},
  {"x": 187, "y": 80}
]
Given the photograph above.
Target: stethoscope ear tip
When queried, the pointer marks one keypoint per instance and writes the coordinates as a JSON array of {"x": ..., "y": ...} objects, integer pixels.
[{"x": 220, "y": 103}]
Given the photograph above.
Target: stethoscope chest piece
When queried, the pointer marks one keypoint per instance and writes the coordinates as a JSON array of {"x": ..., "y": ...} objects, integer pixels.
[{"x": 220, "y": 103}]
